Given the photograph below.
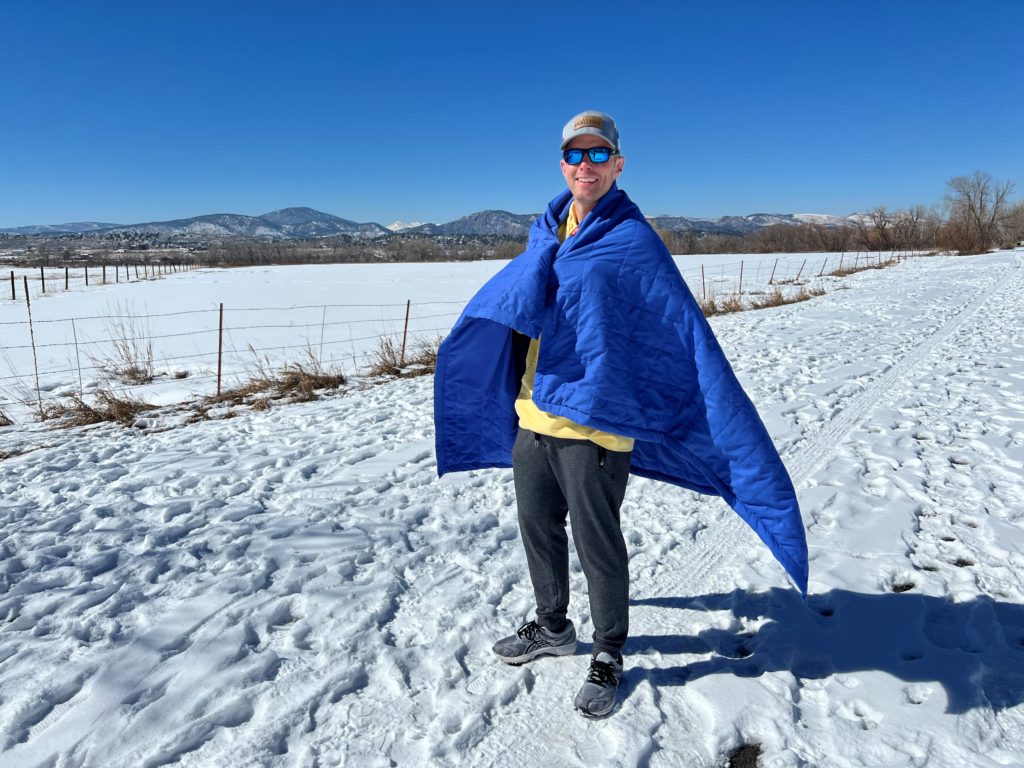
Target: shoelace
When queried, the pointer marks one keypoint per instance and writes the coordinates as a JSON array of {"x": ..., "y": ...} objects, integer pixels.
[
  {"x": 601, "y": 674},
  {"x": 529, "y": 630}
]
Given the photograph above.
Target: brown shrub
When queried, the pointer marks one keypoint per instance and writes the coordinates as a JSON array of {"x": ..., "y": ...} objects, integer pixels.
[{"x": 108, "y": 406}]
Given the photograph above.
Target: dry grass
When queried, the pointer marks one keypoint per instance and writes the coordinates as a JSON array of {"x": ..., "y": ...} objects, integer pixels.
[
  {"x": 778, "y": 299},
  {"x": 5, "y": 420},
  {"x": 731, "y": 304},
  {"x": 708, "y": 306},
  {"x": 774, "y": 299},
  {"x": 296, "y": 382},
  {"x": 861, "y": 266},
  {"x": 712, "y": 305},
  {"x": 107, "y": 406},
  {"x": 130, "y": 359},
  {"x": 421, "y": 360}
]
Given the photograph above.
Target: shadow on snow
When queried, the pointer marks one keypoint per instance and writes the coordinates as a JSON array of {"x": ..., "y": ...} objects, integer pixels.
[{"x": 974, "y": 649}]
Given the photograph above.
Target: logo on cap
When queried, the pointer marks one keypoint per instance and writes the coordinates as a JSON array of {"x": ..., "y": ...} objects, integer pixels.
[{"x": 589, "y": 121}]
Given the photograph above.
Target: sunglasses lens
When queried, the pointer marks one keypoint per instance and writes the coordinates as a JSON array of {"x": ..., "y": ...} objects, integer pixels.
[{"x": 597, "y": 155}]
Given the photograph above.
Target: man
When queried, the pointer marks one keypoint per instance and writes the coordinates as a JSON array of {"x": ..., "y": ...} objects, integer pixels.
[{"x": 621, "y": 373}]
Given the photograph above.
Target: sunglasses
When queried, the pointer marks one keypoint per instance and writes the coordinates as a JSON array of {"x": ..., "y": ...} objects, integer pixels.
[{"x": 597, "y": 155}]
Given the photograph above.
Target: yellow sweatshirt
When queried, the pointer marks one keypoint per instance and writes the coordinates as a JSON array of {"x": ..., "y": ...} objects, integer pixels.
[{"x": 533, "y": 418}]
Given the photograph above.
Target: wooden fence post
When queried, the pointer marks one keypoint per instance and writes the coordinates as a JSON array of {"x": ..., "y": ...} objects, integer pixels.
[
  {"x": 772, "y": 278},
  {"x": 86, "y": 275},
  {"x": 32, "y": 336},
  {"x": 823, "y": 267},
  {"x": 703, "y": 285},
  {"x": 14, "y": 296},
  {"x": 104, "y": 274},
  {"x": 740, "y": 290},
  {"x": 42, "y": 278},
  {"x": 405, "y": 333},
  {"x": 800, "y": 271}
]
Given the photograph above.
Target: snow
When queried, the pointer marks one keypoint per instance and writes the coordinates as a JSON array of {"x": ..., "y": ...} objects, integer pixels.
[
  {"x": 296, "y": 587},
  {"x": 398, "y": 226}
]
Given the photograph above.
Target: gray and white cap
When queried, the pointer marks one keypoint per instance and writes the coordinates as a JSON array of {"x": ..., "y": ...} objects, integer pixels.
[{"x": 591, "y": 123}]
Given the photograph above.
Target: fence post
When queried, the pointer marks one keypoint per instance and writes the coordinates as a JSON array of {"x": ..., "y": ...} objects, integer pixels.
[
  {"x": 86, "y": 275},
  {"x": 840, "y": 262},
  {"x": 323, "y": 322},
  {"x": 800, "y": 271},
  {"x": 823, "y": 267},
  {"x": 220, "y": 345},
  {"x": 136, "y": 271},
  {"x": 66, "y": 272},
  {"x": 32, "y": 336},
  {"x": 772, "y": 278},
  {"x": 405, "y": 333},
  {"x": 703, "y": 285},
  {"x": 740, "y": 290},
  {"x": 104, "y": 274},
  {"x": 14, "y": 296},
  {"x": 42, "y": 278},
  {"x": 78, "y": 358}
]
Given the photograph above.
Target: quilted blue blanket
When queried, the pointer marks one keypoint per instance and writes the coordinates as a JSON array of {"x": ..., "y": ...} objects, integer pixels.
[{"x": 625, "y": 349}]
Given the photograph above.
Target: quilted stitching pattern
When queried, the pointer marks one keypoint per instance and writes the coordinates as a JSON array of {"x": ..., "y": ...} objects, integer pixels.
[{"x": 626, "y": 350}]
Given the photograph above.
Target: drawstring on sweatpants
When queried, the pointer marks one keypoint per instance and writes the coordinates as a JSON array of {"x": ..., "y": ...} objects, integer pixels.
[{"x": 602, "y": 452}]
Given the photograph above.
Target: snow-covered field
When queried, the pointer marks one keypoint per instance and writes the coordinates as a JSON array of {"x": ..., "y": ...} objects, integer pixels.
[
  {"x": 296, "y": 587},
  {"x": 274, "y": 316}
]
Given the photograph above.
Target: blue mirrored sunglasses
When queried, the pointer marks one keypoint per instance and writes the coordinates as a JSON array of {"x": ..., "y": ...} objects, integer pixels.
[{"x": 597, "y": 155}]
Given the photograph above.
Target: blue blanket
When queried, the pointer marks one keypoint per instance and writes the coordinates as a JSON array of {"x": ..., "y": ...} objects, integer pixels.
[{"x": 625, "y": 349}]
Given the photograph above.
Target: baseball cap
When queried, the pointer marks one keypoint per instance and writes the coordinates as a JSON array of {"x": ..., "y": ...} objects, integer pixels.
[{"x": 591, "y": 123}]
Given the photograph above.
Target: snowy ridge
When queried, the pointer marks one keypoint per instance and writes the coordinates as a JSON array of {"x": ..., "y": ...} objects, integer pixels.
[{"x": 296, "y": 587}]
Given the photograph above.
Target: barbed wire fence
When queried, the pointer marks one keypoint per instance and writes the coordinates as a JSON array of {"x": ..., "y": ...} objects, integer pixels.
[
  {"x": 202, "y": 350},
  {"x": 48, "y": 281}
]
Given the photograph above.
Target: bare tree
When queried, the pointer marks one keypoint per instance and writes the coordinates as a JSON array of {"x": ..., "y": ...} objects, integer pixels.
[
  {"x": 1013, "y": 226},
  {"x": 977, "y": 207}
]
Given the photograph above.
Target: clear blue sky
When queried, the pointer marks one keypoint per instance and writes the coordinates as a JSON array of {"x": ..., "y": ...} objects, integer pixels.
[{"x": 130, "y": 110}]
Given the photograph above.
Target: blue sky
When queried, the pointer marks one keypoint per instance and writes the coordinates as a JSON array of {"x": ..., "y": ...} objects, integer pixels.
[{"x": 140, "y": 111}]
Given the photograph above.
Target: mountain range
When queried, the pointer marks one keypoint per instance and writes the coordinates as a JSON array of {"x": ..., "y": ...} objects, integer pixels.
[{"x": 289, "y": 223}]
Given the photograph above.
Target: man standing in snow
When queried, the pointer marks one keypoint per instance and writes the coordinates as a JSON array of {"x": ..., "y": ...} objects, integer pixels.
[
  {"x": 621, "y": 374},
  {"x": 561, "y": 467}
]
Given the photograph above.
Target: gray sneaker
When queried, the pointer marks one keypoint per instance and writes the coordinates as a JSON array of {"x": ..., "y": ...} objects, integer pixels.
[
  {"x": 532, "y": 640},
  {"x": 597, "y": 696}
]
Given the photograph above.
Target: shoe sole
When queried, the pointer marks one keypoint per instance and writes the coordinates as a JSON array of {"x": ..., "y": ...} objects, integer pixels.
[
  {"x": 595, "y": 715},
  {"x": 557, "y": 650}
]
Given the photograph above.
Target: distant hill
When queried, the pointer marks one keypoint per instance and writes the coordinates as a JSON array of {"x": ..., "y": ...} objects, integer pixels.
[
  {"x": 481, "y": 223},
  {"x": 305, "y": 223}
]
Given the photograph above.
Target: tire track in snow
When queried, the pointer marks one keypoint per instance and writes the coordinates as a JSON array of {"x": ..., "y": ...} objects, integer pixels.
[{"x": 715, "y": 550}]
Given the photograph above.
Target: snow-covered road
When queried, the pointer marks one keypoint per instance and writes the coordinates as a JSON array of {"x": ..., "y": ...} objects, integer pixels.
[{"x": 296, "y": 587}]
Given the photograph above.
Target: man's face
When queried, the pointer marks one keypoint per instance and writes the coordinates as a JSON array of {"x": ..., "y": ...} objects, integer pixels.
[{"x": 589, "y": 181}]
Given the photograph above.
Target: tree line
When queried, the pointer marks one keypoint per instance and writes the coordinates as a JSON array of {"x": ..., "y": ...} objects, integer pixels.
[{"x": 975, "y": 216}]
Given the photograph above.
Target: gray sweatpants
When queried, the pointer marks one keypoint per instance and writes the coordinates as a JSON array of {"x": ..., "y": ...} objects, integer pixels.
[{"x": 555, "y": 476}]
